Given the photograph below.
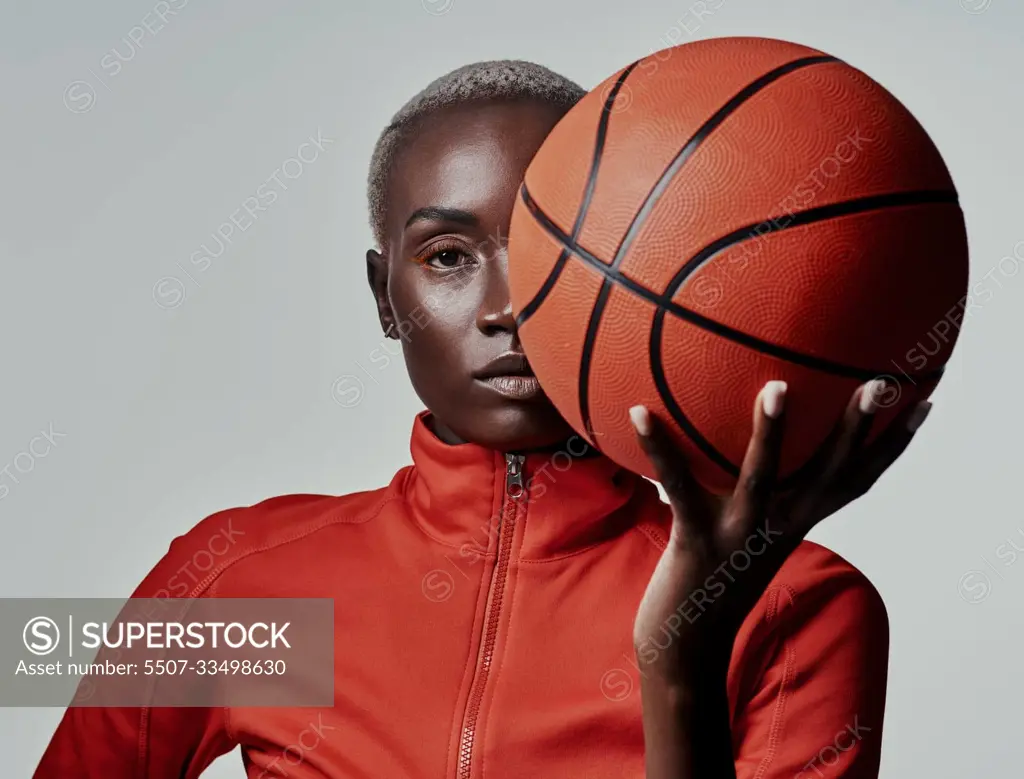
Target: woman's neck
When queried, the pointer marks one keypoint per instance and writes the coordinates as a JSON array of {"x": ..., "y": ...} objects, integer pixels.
[{"x": 576, "y": 444}]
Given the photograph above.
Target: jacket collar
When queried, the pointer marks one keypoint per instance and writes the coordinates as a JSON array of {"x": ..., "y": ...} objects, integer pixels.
[{"x": 574, "y": 497}]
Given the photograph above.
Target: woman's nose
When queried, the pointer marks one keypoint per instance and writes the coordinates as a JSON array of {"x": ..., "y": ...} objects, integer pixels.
[
  {"x": 497, "y": 318},
  {"x": 496, "y": 308}
]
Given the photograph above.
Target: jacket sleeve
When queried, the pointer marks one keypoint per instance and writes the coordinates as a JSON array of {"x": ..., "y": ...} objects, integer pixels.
[
  {"x": 144, "y": 742},
  {"x": 815, "y": 703}
]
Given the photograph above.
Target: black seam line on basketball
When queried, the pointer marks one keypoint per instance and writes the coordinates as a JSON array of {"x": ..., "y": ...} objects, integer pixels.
[
  {"x": 801, "y": 219},
  {"x": 667, "y": 175},
  {"x": 692, "y": 317},
  {"x": 588, "y": 348},
  {"x": 693, "y": 432},
  {"x": 588, "y": 195},
  {"x": 662, "y": 184},
  {"x": 691, "y": 146},
  {"x": 690, "y": 430},
  {"x": 674, "y": 410},
  {"x": 599, "y": 143}
]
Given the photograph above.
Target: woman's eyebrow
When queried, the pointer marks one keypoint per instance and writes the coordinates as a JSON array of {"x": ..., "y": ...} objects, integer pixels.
[{"x": 437, "y": 213}]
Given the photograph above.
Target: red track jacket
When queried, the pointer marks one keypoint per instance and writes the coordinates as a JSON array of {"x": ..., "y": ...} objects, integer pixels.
[{"x": 481, "y": 635}]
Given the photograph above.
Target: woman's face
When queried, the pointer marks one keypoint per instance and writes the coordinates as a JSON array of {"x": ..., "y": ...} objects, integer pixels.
[{"x": 443, "y": 285}]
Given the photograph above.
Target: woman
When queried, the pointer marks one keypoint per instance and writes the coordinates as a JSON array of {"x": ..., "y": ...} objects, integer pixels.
[{"x": 514, "y": 604}]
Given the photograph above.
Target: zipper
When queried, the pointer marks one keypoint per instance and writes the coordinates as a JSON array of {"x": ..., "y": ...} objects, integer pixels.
[
  {"x": 514, "y": 475},
  {"x": 506, "y": 528}
]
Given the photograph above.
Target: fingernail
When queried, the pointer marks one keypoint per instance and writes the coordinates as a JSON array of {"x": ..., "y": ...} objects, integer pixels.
[
  {"x": 773, "y": 398},
  {"x": 918, "y": 415},
  {"x": 869, "y": 396},
  {"x": 641, "y": 418}
]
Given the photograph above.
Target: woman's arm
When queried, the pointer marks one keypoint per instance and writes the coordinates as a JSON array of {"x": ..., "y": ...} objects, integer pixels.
[
  {"x": 151, "y": 743},
  {"x": 133, "y": 743},
  {"x": 687, "y": 726},
  {"x": 808, "y": 684}
]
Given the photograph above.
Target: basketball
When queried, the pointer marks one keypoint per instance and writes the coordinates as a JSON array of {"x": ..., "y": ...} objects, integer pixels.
[{"x": 725, "y": 213}]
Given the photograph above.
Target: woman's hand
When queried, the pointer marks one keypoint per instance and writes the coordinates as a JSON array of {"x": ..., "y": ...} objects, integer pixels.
[{"x": 721, "y": 555}]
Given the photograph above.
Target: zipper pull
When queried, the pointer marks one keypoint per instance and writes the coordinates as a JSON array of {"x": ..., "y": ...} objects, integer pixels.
[{"x": 514, "y": 474}]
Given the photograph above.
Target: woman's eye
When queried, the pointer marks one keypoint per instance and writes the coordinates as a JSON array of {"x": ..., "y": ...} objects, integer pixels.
[{"x": 448, "y": 258}]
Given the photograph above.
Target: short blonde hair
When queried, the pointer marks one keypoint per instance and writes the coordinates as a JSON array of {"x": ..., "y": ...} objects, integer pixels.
[{"x": 477, "y": 82}]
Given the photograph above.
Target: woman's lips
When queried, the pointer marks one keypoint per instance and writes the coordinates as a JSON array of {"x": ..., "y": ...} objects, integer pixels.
[
  {"x": 510, "y": 375},
  {"x": 520, "y": 387}
]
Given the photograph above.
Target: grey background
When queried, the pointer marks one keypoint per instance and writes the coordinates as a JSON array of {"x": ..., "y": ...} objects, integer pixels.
[{"x": 162, "y": 415}]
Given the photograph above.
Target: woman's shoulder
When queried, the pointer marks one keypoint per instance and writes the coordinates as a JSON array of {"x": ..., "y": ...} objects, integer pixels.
[
  {"x": 816, "y": 581},
  {"x": 285, "y": 518},
  {"x": 197, "y": 561},
  {"x": 820, "y": 621}
]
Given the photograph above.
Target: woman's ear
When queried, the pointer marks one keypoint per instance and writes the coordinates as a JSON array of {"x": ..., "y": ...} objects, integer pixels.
[{"x": 377, "y": 275}]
